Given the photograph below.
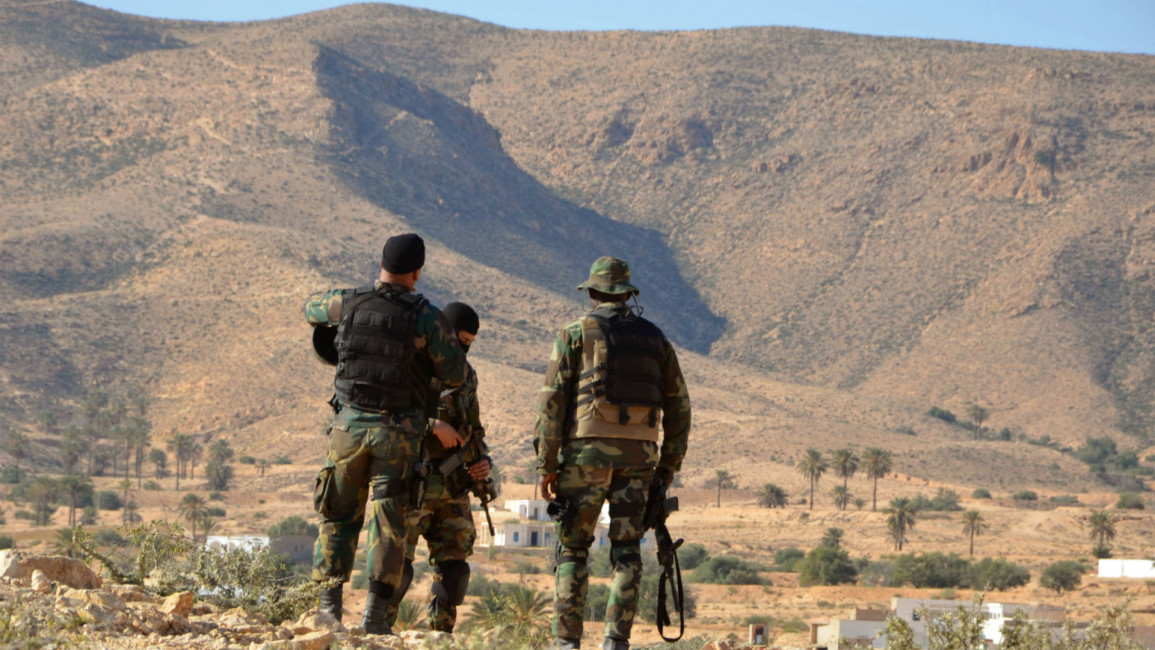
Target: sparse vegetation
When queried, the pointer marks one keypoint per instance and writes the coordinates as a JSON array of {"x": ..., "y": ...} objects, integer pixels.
[
  {"x": 1061, "y": 576},
  {"x": 727, "y": 570}
]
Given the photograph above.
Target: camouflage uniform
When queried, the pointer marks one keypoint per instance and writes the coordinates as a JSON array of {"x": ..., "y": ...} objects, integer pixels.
[
  {"x": 592, "y": 471},
  {"x": 446, "y": 522},
  {"x": 368, "y": 449}
]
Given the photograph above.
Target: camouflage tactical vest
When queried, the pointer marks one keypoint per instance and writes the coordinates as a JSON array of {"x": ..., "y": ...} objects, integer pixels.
[
  {"x": 619, "y": 391},
  {"x": 379, "y": 368}
]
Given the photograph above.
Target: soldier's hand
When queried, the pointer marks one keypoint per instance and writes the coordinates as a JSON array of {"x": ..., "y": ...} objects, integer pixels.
[
  {"x": 446, "y": 434},
  {"x": 479, "y": 471},
  {"x": 549, "y": 486}
]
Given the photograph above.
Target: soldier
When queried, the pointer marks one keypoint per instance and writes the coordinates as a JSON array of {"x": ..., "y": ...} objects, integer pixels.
[
  {"x": 393, "y": 351},
  {"x": 611, "y": 375},
  {"x": 444, "y": 518}
]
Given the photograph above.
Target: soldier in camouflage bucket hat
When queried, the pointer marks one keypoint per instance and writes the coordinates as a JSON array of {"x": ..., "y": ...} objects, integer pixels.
[
  {"x": 612, "y": 377},
  {"x": 610, "y": 275}
]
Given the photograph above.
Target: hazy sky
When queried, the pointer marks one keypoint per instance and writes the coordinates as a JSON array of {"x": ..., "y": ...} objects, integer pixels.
[{"x": 1101, "y": 25}]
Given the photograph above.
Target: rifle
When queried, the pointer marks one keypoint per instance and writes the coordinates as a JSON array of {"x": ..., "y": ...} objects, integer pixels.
[
  {"x": 458, "y": 481},
  {"x": 658, "y": 509}
]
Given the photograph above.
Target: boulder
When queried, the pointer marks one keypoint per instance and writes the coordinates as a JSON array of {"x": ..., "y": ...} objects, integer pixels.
[
  {"x": 15, "y": 565},
  {"x": 40, "y": 582},
  {"x": 315, "y": 620},
  {"x": 179, "y": 603}
]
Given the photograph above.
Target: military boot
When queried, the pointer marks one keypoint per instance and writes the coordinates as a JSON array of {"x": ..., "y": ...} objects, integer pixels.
[
  {"x": 562, "y": 643},
  {"x": 615, "y": 644},
  {"x": 376, "y": 619},
  {"x": 331, "y": 600}
]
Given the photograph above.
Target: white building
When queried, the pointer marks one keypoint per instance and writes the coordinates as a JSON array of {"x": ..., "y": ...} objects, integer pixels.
[
  {"x": 533, "y": 527},
  {"x": 865, "y": 625},
  {"x": 299, "y": 548},
  {"x": 1144, "y": 569}
]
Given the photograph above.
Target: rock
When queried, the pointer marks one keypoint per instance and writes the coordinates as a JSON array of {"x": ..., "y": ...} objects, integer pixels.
[
  {"x": 313, "y": 620},
  {"x": 40, "y": 582},
  {"x": 80, "y": 597},
  {"x": 132, "y": 594},
  {"x": 179, "y": 603},
  {"x": 17, "y": 566},
  {"x": 313, "y": 641}
]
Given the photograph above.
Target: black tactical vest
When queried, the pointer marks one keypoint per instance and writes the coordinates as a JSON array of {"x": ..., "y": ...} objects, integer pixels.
[
  {"x": 628, "y": 378},
  {"x": 379, "y": 367}
]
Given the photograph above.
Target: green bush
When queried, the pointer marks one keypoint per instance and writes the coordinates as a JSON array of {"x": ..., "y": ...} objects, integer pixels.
[
  {"x": 1025, "y": 495},
  {"x": 932, "y": 570},
  {"x": 282, "y": 460},
  {"x": 596, "y": 602},
  {"x": 981, "y": 493},
  {"x": 879, "y": 573},
  {"x": 942, "y": 414},
  {"x": 292, "y": 526},
  {"x": 648, "y": 602},
  {"x": 1130, "y": 501},
  {"x": 247, "y": 460},
  {"x": 109, "y": 537},
  {"x": 826, "y": 565},
  {"x": 1061, "y": 576},
  {"x": 1065, "y": 500},
  {"x": 10, "y": 475},
  {"x": 997, "y": 574},
  {"x": 7, "y": 542},
  {"x": 480, "y": 585},
  {"x": 152, "y": 485},
  {"x": 215, "y": 511},
  {"x": 727, "y": 570},
  {"x": 786, "y": 559},
  {"x": 691, "y": 556},
  {"x": 108, "y": 500}
]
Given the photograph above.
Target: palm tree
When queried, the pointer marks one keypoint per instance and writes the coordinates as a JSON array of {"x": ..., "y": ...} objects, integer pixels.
[
  {"x": 722, "y": 479},
  {"x": 841, "y": 497},
  {"x": 194, "y": 454},
  {"x": 138, "y": 438},
  {"x": 1102, "y": 526},
  {"x": 263, "y": 464},
  {"x": 832, "y": 538},
  {"x": 130, "y": 510},
  {"x": 159, "y": 460},
  {"x": 772, "y": 496},
  {"x": 181, "y": 447},
  {"x": 192, "y": 508},
  {"x": 876, "y": 461},
  {"x": 978, "y": 415},
  {"x": 973, "y": 524},
  {"x": 812, "y": 466},
  {"x": 845, "y": 464},
  {"x": 65, "y": 543},
  {"x": 17, "y": 445},
  {"x": 900, "y": 518},
  {"x": 76, "y": 486},
  {"x": 126, "y": 485}
]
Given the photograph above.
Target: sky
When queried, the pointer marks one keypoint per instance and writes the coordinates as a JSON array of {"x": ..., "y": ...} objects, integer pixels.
[{"x": 1096, "y": 25}]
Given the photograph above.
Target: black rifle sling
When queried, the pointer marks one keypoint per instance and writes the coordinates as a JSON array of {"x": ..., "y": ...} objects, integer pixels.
[{"x": 670, "y": 582}]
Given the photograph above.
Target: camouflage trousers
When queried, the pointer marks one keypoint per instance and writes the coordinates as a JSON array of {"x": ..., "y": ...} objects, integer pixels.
[
  {"x": 585, "y": 489},
  {"x": 363, "y": 461},
  {"x": 447, "y": 526}
]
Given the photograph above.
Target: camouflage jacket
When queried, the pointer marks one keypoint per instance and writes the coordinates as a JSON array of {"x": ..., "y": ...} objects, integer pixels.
[
  {"x": 460, "y": 409},
  {"x": 434, "y": 338},
  {"x": 554, "y": 424}
]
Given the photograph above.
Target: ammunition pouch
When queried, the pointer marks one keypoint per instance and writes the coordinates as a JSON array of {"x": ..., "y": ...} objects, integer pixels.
[{"x": 324, "y": 492}]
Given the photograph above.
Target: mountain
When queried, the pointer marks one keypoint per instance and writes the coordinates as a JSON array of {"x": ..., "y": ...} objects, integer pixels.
[{"x": 839, "y": 232}]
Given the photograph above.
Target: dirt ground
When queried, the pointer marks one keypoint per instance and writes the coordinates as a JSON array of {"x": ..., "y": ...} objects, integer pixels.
[{"x": 1031, "y": 537}]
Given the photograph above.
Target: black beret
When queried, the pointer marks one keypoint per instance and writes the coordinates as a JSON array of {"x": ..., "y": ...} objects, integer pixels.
[{"x": 403, "y": 254}]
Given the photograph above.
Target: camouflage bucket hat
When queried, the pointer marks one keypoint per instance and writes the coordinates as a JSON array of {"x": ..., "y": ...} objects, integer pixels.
[{"x": 609, "y": 275}]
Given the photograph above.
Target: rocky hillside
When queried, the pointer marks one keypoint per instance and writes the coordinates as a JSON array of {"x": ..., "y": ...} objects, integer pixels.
[{"x": 838, "y": 231}]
